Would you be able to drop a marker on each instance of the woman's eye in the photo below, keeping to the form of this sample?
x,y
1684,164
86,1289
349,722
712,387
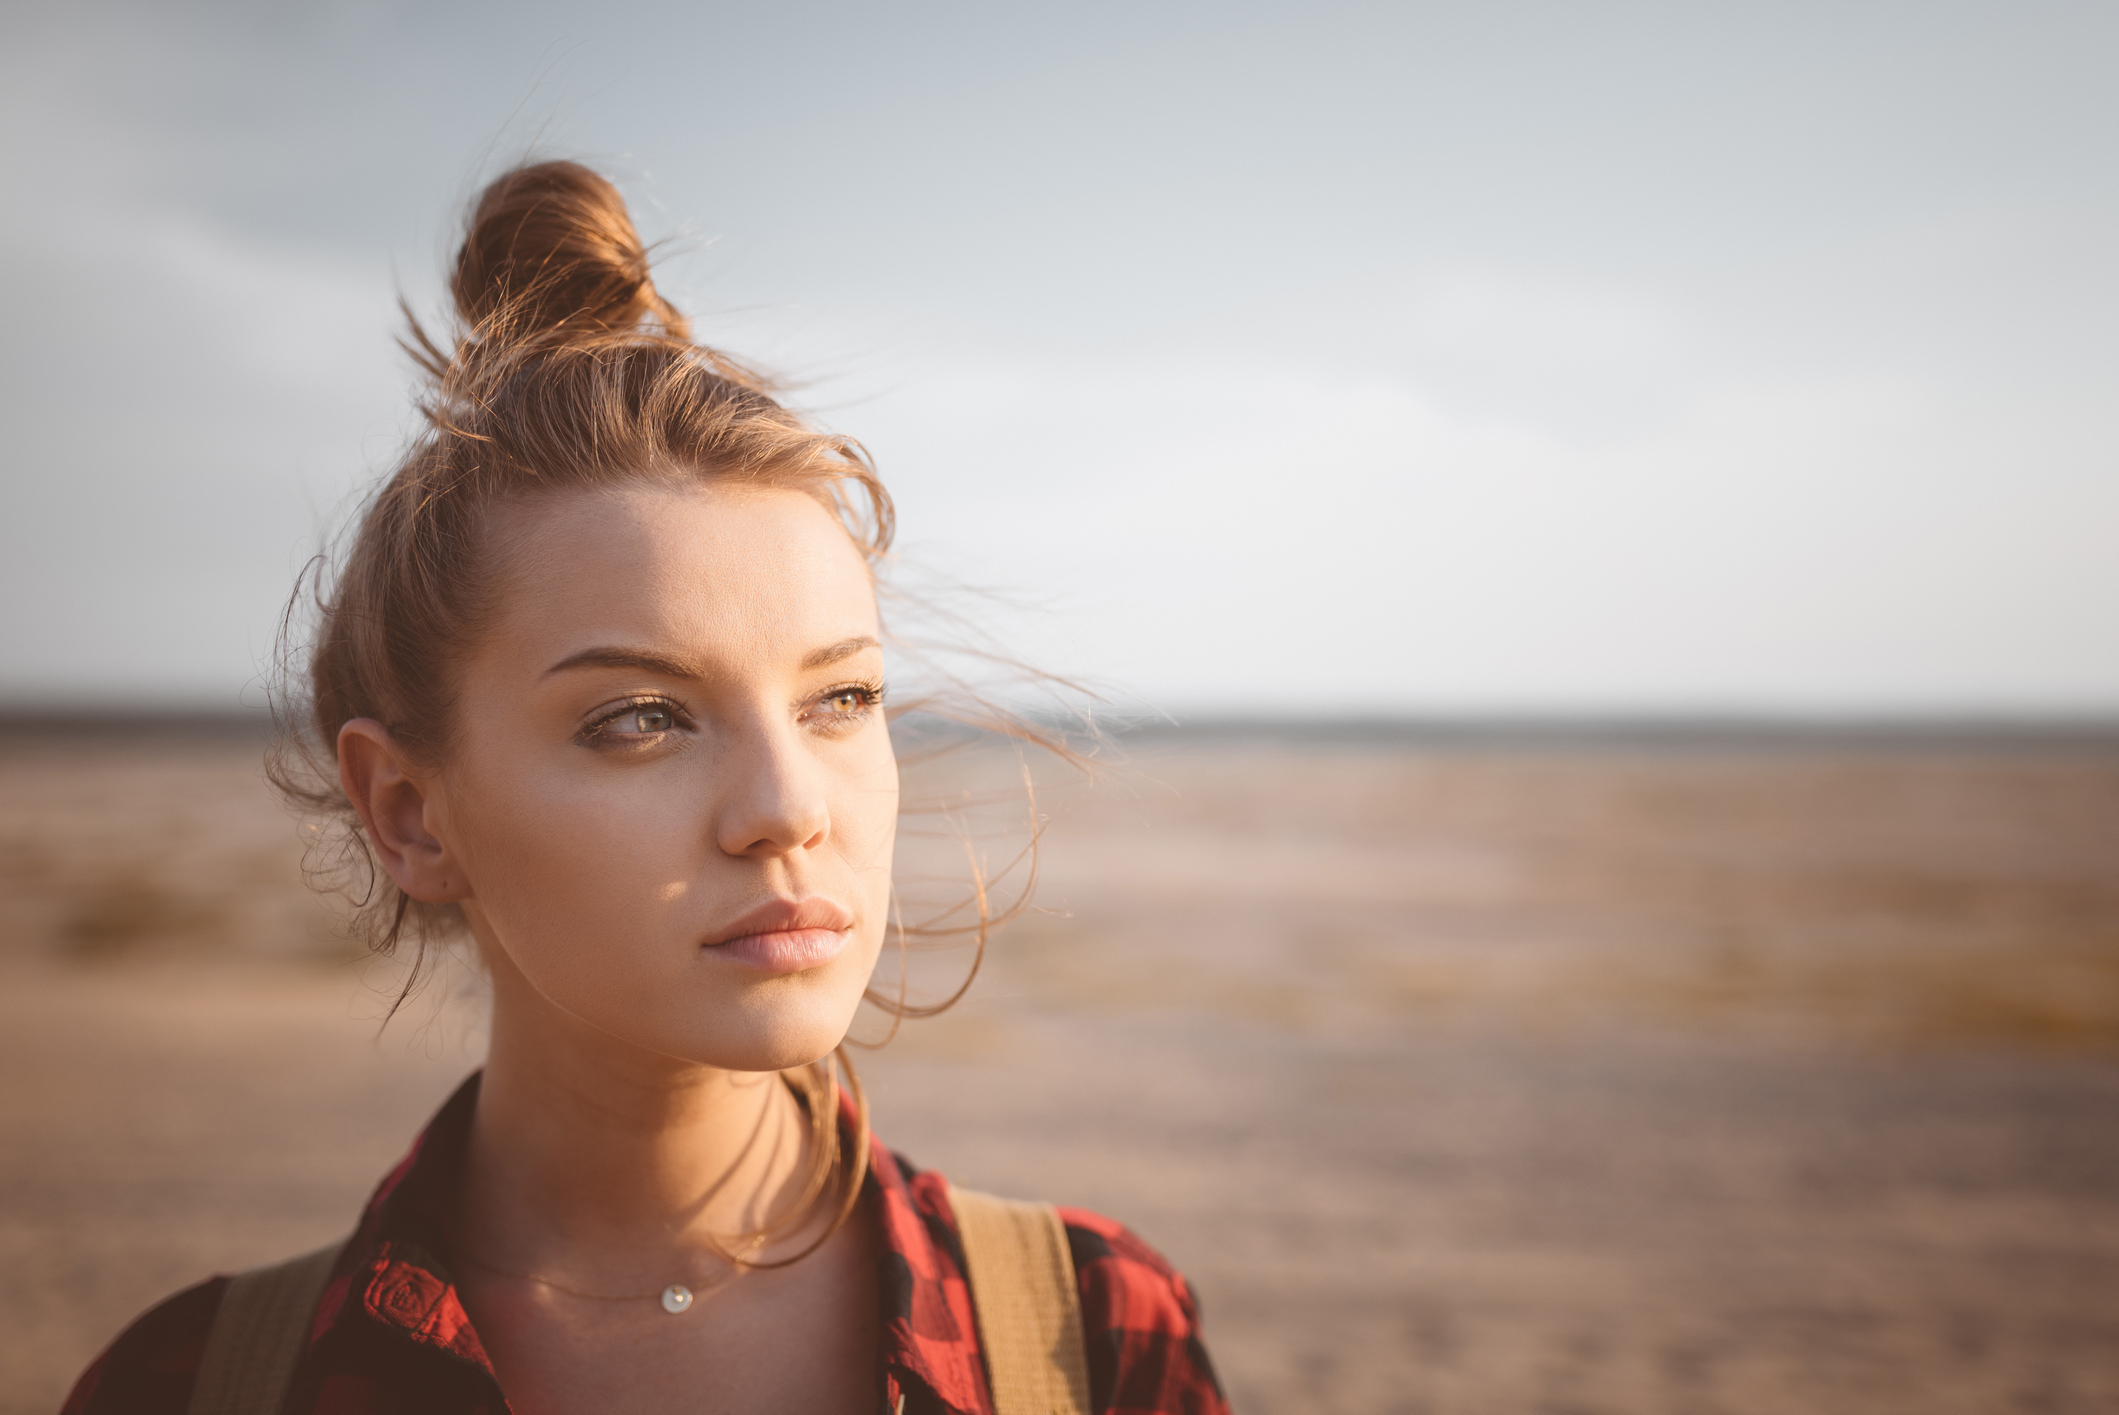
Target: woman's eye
x,y
639,720
845,705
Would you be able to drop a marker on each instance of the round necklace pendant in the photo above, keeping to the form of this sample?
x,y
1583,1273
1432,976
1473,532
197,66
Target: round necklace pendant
x,y
676,1298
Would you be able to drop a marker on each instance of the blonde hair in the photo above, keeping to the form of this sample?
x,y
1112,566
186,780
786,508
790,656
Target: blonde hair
x,y
565,369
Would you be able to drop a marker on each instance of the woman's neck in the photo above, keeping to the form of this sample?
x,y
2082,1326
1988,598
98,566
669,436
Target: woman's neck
x,y
600,1166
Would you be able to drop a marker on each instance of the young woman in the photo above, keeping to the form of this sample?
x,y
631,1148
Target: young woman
x,y
600,683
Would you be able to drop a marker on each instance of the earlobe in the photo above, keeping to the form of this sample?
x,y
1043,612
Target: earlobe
x,y
396,809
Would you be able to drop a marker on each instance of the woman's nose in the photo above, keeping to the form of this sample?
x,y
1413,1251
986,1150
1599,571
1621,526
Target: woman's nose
x,y
775,804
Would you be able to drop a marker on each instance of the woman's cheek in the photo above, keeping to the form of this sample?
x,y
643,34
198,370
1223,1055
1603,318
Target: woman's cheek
x,y
868,860
564,868
867,813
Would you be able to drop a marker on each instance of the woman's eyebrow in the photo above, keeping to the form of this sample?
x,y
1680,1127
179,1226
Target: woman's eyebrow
x,y
646,659
845,648
652,662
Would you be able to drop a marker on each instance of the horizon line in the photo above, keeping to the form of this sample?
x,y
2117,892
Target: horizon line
x,y
1463,729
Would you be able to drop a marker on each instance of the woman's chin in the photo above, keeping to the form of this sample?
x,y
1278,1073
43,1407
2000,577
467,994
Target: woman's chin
x,y
766,1039
775,1055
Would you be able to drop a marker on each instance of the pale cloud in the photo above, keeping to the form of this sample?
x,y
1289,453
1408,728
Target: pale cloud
x,y
1348,361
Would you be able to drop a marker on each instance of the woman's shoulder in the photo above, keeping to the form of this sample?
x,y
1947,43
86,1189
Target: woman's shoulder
x,y
151,1366
1140,1317
1127,1276
1140,1321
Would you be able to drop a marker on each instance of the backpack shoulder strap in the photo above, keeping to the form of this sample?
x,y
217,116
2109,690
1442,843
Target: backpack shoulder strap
x,y
1029,1309
259,1334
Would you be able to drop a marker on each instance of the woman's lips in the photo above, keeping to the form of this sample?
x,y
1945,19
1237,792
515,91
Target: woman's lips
x,y
785,950
786,935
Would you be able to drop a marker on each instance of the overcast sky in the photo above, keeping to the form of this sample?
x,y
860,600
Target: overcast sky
x,y
1578,358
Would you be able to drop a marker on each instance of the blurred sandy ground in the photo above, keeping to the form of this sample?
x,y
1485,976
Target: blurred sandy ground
x,y
1557,1079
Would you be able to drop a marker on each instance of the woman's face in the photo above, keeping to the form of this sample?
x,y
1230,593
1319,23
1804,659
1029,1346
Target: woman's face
x,y
671,794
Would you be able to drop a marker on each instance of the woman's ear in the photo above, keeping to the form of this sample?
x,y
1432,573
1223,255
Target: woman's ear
x,y
398,811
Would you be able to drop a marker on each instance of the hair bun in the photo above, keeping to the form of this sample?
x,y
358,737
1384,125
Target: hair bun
x,y
552,249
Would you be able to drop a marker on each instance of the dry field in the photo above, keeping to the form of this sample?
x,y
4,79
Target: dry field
x,y
1509,1079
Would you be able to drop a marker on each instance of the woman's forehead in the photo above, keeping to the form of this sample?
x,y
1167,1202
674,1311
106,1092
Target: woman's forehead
x,y
699,565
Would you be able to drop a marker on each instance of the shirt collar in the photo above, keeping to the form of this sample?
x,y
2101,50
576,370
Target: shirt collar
x,y
929,1330
392,1270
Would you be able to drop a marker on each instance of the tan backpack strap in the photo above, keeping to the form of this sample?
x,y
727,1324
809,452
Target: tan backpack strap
x,y
1029,1309
259,1335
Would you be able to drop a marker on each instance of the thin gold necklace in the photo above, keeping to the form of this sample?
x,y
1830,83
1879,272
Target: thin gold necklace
x,y
676,1299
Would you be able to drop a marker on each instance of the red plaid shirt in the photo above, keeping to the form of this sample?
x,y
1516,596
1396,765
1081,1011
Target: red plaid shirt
x,y
391,1336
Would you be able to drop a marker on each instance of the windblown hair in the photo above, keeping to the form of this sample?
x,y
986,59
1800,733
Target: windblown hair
x,y
564,369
